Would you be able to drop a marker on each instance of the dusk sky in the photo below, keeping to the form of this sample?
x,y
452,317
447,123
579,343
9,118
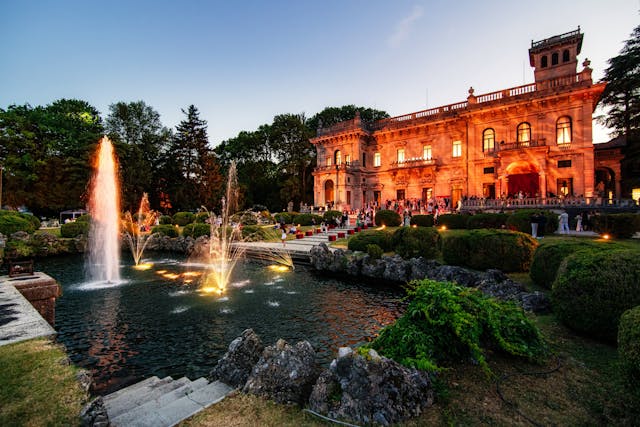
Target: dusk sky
x,y
241,63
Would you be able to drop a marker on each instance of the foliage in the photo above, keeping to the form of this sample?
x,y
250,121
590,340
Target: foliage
x,y
629,343
622,226
359,241
183,218
245,218
453,221
334,115
487,220
84,218
74,229
196,229
18,249
505,250
166,229
285,217
307,219
165,220
593,288
11,222
445,322
387,217
34,220
410,242
331,215
422,220
256,233
201,217
374,251
521,221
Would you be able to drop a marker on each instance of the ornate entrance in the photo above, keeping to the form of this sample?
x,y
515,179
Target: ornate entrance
x,y
523,178
328,191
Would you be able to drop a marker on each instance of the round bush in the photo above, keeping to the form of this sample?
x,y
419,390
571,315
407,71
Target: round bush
x,y
74,229
201,217
521,221
359,241
629,342
374,251
410,242
165,220
307,219
84,218
285,217
166,229
422,220
196,229
593,288
388,217
482,249
330,216
487,220
35,222
183,218
14,222
256,233
453,221
622,226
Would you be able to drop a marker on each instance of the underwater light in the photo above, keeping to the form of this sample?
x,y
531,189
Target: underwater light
x,y
278,268
143,266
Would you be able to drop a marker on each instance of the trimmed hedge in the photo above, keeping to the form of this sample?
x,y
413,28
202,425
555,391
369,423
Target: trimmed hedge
x,y
410,242
256,233
166,229
284,216
453,221
521,221
74,229
487,220
374,251
622,226
629,343
183,218
359,241
84,218
482,249
307,219
388,217
12,222
422,220
165,220
196,229
201,217
594,288
34,220
330,216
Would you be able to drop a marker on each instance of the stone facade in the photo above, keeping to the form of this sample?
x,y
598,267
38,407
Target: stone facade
x,y
534,139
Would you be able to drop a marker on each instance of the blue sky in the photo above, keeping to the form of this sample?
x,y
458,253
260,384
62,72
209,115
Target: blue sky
x,y
241,63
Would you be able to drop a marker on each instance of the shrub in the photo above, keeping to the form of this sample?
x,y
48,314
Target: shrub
x,y
35,222
84,218
388,217
453,221
487,220
374,251
166,229
201,217
422,220
283,216
255,233
445,322
521,221
19,249
196,229
409,242
330,216
622,226
482,249
359,241
74,229
165,220
13,222
593,288
629,343
307,219
183,218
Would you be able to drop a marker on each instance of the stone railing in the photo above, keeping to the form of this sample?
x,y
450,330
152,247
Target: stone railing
x,y
504,146
412,162
548,203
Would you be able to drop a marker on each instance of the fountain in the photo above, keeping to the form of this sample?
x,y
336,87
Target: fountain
x,y
137,231
103,264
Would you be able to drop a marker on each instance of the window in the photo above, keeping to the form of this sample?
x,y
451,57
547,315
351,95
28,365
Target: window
x,y
347,158
376,160
426,152
565,186
564,163
490,170
524,134
554,58
488,140
400,194
543,61
348,197
364,160
563,130
338,157
457,149
401,155
565,55
329,161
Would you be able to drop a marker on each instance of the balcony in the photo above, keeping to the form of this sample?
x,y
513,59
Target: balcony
x,y
519,145
346,167
414,162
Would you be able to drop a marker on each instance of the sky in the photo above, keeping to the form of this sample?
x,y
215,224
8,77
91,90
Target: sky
x,y
243,62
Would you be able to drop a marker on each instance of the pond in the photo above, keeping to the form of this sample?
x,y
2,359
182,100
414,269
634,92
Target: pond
x,y
158,323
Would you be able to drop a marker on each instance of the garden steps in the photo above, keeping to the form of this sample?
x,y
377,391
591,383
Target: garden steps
x,y
162,402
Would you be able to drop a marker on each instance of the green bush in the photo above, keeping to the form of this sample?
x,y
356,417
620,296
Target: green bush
x,y
84,218
196,229
74,229
388,217
374,251
629,343
359,241
165,220
19,249
482,249
410,242
422,220
521,221
35,222
593,288
330,216
622,226
453,221
245,218
256,233
487,220
445,322
183,218
166,229
283,216
12,222
201,217
307,219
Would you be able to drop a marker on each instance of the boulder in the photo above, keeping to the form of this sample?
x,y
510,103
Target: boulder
x,y
370,390
354,266
536,302
94,414
373,268
284,373
320,257
452,273
236,365
20,235
396,269
421,267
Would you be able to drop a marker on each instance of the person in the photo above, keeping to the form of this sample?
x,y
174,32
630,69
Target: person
x,y
579,223
284,236
535,219
323,227
459,206
542,222
293,229
564,222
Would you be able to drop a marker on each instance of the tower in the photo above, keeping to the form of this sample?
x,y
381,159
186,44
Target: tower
x,y
556,56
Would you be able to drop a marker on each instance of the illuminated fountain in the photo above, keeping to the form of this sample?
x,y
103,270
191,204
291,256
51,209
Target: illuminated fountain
x,y
138,231
103,263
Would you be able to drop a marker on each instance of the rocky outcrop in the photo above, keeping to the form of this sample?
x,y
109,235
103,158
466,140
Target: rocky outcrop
x,y
370,390
236,365
94,414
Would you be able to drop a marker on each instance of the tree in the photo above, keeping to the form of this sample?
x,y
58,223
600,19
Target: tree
x,y
332,115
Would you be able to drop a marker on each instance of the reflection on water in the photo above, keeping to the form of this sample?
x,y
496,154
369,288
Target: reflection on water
x,y
159,324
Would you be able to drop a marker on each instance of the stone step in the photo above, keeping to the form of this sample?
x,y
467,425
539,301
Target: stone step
x,y
145,409
117,394
180,409
139,396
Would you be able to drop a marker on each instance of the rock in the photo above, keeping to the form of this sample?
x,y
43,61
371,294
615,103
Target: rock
x,y
506,290
284,373
421,267
452,273
396,269
94,414
339,262
236,365
320,257
85,379
20,235
536,302
371,390
354,266
373,268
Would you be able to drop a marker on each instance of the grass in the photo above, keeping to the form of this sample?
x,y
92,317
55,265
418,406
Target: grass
x,y
53,231
37,386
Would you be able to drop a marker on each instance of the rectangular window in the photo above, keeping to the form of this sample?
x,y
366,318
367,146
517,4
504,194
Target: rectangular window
x,y
400,194
564,163
565,186
426,152
329,161
376,160
457,149
490,170
348,196
347,158
401,155
364,160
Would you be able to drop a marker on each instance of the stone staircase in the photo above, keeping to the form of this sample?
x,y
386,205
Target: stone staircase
x,y
162,402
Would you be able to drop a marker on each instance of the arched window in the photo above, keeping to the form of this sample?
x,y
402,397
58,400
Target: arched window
x,y
543,61
563,130
554,58
338,157
565,55
524,134
488,140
